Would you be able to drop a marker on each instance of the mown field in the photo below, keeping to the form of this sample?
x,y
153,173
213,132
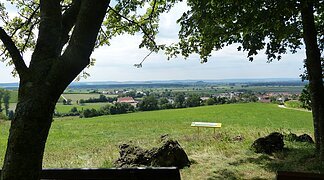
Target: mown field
x,y
93,142
66,108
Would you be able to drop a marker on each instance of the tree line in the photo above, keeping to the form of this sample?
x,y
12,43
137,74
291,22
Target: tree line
x,y
153,102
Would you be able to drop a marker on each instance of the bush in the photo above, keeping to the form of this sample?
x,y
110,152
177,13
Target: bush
x,y
149,103
89,113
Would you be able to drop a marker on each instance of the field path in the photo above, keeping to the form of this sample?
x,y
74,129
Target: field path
x,y
63,97
283,106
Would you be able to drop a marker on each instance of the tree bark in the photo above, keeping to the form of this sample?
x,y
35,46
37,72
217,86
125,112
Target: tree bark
x,y
28,132
314,69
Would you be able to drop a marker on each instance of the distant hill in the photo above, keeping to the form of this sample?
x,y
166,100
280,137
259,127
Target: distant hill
x,y
177,83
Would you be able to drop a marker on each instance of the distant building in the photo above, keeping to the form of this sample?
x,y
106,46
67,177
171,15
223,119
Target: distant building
x,y
204,98
264,99
129,100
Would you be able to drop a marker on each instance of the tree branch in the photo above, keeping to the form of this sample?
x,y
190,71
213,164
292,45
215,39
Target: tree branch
x,y
28,21
49,31
135,23
30,31
14,52
68,21
76,55
141,63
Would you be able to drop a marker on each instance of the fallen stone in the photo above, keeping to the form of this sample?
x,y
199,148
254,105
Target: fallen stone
x,y
132,156
305,138
170,153
301,138
269,144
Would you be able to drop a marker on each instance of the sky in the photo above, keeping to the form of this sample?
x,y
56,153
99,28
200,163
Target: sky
x,y
115,62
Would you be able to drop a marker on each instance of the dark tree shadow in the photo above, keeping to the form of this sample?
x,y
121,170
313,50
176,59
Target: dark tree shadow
x,y
298,159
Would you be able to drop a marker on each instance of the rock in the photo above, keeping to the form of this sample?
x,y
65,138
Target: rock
x,y
132,156
269,144
301,138
170,153
238,138
305,138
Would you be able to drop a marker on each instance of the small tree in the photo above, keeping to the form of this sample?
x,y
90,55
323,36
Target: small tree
x,y
179,100
6,98
210,101
164,103
193,100
1,96
149,103
305,98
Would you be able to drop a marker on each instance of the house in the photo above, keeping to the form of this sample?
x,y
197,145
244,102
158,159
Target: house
x,y
264,98
129,100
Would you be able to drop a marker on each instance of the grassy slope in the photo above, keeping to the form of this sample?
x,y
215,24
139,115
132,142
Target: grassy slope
x,y
94,142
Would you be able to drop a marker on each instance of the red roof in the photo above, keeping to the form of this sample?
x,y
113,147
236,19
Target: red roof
x,y
126,100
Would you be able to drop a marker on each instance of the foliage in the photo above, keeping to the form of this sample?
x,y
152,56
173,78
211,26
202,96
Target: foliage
x,y
305,98
5,98
117,108
101,98
179,100
256,25
90,113
193,101
293,104
164,103
121,108
149,103
210,101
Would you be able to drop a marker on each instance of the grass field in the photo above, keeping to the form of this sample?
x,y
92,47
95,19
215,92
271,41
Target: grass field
x,y
66,108
76,97
93,142
293,104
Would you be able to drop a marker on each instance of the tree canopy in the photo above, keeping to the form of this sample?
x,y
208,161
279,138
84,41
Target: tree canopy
x,y
255,25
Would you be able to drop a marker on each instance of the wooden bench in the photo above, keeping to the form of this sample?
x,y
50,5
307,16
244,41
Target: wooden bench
x,y
206,125
285,175
161,173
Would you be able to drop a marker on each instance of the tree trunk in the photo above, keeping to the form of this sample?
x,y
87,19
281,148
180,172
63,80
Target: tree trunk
x,y
28,132
49,73
314,69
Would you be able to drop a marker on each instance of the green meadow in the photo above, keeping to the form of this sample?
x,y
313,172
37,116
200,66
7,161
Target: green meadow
x,y
66,108
93,142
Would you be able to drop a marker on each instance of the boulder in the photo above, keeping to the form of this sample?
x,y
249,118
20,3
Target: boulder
x,y
305,138
170,153
269,144
301,138
132,156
